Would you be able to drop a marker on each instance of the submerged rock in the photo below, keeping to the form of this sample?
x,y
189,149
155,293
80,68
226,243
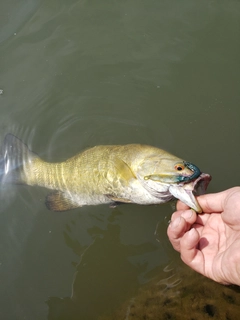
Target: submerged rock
x,y
181,295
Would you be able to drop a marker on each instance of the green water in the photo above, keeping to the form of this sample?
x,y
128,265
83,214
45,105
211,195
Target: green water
x,y
75,74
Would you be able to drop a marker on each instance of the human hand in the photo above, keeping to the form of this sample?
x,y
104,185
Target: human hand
x,y
210,242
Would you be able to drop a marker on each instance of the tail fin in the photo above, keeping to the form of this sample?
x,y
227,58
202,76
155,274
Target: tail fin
x,y
14,155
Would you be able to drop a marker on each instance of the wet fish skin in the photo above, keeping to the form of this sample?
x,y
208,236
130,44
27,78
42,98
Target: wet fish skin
x,y
131,173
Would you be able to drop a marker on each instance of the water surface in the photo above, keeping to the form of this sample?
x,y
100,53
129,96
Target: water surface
x,y
75,74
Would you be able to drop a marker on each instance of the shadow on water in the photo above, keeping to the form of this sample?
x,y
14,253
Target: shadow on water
x,y
100,292
97,285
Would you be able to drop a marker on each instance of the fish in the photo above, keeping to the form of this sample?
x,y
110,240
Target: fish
x,y
105,174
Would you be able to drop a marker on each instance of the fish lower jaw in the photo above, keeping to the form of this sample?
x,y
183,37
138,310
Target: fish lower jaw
x,y
186,196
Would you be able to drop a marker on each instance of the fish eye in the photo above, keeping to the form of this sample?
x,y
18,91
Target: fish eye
x,y
179,166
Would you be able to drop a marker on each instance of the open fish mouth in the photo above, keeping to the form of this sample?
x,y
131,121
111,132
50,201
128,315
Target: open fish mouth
x,y
186,192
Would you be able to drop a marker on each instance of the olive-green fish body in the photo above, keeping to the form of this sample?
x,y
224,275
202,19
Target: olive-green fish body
x,y
102,174
131,173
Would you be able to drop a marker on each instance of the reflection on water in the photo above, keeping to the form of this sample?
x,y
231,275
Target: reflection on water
x,y
14,14
79,73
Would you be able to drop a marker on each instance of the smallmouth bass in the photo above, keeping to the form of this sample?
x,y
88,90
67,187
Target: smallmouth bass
x,y
109,174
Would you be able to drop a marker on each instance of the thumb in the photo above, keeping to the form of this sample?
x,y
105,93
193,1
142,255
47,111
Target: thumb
x,y
231,212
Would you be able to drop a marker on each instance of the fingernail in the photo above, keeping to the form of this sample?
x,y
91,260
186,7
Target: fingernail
x,y
187,214
191,232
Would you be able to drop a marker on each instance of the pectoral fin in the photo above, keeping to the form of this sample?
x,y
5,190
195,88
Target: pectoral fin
x,y
122,171
60,201
120,179
117,199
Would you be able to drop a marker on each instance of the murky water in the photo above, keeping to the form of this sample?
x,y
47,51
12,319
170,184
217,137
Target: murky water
x,y
75,74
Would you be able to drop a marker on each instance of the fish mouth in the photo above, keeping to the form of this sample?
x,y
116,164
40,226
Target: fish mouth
x,y
186,192
196,172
